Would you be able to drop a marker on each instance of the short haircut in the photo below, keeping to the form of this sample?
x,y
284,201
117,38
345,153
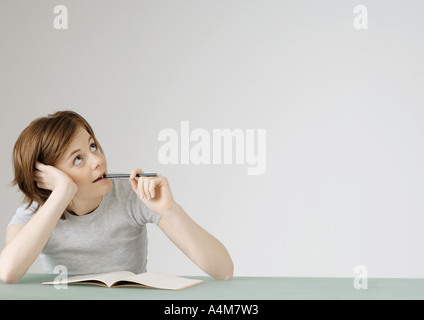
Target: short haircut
x,y
44,140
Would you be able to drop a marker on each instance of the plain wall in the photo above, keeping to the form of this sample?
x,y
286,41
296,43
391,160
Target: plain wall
x,y
342,109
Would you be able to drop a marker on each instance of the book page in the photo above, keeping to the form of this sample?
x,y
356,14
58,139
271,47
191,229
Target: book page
x,y
107,278
162,280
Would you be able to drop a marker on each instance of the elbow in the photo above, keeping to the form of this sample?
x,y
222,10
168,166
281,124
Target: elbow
x,y
229,274
8,277
7,273
9,280
227,277
226,274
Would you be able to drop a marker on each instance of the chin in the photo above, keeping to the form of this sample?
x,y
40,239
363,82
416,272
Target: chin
x,y
107,187
99,189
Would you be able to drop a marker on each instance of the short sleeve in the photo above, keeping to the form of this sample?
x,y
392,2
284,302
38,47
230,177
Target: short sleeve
x,y
135,207
141,213
23,215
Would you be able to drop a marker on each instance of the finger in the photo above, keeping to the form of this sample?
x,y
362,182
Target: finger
x,y
133,173
140,187
38,165
133,180
146,188
40,184
38,175
37,178
134,185
152,187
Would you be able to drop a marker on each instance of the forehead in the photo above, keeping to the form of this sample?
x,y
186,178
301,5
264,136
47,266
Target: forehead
x,y
80,138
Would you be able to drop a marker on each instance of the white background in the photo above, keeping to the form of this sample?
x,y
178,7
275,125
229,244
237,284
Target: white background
x,y
343,110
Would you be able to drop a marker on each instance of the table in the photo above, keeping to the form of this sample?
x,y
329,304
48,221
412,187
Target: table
x,y
239,288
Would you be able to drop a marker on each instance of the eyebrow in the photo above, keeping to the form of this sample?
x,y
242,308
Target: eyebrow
x,y
78,150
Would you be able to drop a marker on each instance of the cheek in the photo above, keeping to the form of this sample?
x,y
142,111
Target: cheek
x,y
108,186
81,180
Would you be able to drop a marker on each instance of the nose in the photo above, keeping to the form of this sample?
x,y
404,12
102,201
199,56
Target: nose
x,y
96,161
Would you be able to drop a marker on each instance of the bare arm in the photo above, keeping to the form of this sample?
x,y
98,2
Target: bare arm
x,y
24,244
196,243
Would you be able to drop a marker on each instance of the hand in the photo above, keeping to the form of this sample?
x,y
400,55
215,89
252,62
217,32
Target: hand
x,y
49,178
153,191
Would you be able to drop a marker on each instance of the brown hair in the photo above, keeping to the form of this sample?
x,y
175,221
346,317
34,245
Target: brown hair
x,y
44,140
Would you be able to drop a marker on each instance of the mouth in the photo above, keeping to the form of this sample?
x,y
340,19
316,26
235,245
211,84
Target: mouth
x,y
101,177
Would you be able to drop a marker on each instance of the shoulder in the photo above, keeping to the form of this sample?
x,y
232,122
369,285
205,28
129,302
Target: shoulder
x,y
27,210
123,194
121,190
23,214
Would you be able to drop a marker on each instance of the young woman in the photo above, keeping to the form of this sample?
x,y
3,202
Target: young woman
x,y
90,224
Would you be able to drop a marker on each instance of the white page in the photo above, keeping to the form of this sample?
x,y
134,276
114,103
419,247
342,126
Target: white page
x,y
108,278
162,280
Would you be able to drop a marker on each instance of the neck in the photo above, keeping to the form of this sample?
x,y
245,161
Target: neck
x,y
82,207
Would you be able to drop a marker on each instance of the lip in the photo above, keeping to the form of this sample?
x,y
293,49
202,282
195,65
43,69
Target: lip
x,y
100,178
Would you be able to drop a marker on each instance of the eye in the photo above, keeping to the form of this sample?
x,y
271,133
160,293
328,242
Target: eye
x,y
93,147
77,161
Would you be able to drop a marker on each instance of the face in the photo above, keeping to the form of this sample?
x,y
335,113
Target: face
x,y
85,164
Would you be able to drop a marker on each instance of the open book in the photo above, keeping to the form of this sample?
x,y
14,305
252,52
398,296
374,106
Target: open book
x,y
127,278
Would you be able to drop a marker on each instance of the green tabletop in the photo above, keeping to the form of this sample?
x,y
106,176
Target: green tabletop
x,y
243,288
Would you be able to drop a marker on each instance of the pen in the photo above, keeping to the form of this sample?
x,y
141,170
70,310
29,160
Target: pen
x,y
123,175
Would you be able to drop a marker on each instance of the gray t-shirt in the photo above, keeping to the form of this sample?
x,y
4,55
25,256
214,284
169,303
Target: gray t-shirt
x,y
111,238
